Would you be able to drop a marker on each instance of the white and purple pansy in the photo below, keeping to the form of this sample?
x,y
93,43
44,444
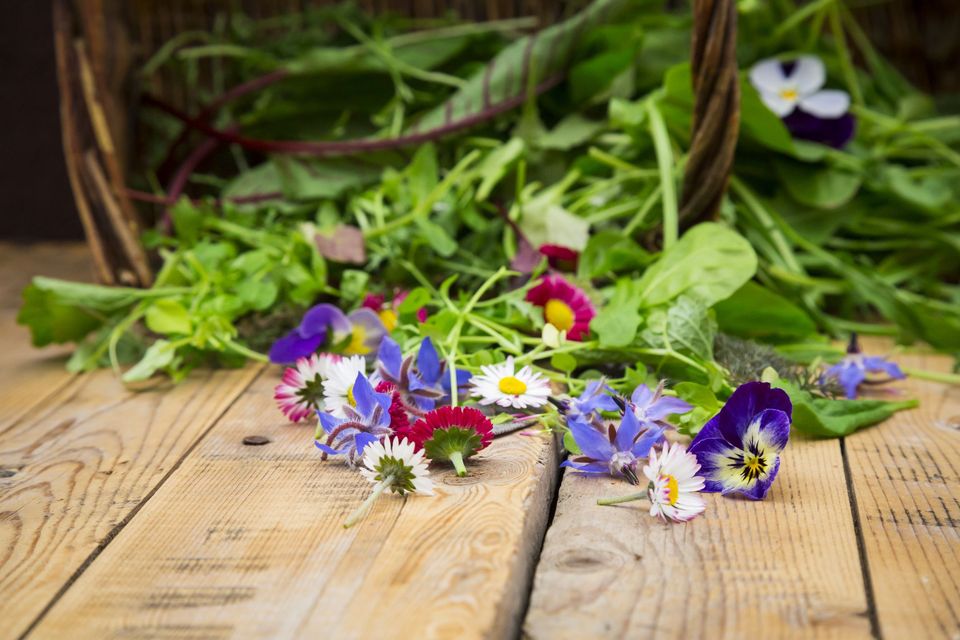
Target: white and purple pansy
x,y
855,368
421,381
367,419
616,451
652,407
326,326
739,448
794,91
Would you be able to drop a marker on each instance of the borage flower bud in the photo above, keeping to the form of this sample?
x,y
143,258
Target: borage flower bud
x,y
453,434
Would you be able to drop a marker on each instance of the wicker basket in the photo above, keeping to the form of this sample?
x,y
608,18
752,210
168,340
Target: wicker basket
x,y
101,43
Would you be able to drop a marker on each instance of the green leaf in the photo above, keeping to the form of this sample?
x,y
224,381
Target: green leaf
x,y
415,300
496,165
187,221
258,296
168,317
611,252
51,320
573,131
829,418
438,239
322,178
353,285
617,322
563,362
816,185
710,262
160,354
757,313
759,124
685,326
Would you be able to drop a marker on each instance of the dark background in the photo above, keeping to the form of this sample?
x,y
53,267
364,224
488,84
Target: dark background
x,y
921,36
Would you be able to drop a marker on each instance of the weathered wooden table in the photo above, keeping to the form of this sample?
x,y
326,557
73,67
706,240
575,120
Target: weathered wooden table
x,y
143,515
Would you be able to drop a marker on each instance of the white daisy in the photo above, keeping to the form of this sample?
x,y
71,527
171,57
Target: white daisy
x,y
674,484
338,387
392,464
504,385
801,88
396,463
300,392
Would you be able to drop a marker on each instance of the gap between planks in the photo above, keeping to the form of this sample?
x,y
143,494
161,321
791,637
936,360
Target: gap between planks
x,y
248,542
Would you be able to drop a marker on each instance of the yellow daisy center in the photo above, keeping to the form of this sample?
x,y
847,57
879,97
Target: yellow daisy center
x,y
673,489
350,399
559,314
389,319
356,347
512,386
789,94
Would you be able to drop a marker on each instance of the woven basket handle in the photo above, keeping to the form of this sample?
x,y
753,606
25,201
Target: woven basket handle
x,y
716,115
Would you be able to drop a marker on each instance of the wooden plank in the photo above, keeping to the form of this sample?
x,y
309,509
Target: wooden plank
x,y
29,376
783,567
78,466
247,542
906,480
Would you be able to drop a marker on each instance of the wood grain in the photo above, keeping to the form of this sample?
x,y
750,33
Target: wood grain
x,y
906,479
247,542
783,567
79,465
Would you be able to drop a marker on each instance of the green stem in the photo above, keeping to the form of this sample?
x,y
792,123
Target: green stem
x,y
846,61
934,376
644,211
456,458
661,145
630,497
365,507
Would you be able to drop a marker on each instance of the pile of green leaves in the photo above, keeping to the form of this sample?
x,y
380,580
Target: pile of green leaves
x,y
578,138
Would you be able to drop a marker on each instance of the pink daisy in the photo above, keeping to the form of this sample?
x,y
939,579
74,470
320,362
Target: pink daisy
x,y
300,392
565,306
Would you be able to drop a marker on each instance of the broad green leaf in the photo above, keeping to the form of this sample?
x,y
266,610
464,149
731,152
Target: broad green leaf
x,y
500,85
160,354
685,326
818,186
830,418
438,239
322,178
611,252
168,317
563,362
758,313
759,124
51,320
257,295
709,262
617,321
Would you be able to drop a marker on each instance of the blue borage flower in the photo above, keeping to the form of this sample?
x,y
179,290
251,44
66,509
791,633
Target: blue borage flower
x,y
616,451
367,420
587,407
325,326
852,371
652,407
423,380
739,448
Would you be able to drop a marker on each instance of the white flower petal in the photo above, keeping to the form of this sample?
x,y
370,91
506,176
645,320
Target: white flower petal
x,y
808,75
780,106
767,76
830,103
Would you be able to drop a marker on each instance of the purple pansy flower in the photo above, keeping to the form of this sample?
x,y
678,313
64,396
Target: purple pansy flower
x,y
367,420
793,90
739,448
652,407
423,381
324,325
852,371
615,452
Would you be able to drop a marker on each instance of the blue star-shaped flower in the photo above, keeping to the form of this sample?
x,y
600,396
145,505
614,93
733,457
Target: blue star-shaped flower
x,y
367,420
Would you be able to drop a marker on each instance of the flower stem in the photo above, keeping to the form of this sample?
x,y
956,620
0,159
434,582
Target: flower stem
x,y
620,499
935,376
456,457
365,507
